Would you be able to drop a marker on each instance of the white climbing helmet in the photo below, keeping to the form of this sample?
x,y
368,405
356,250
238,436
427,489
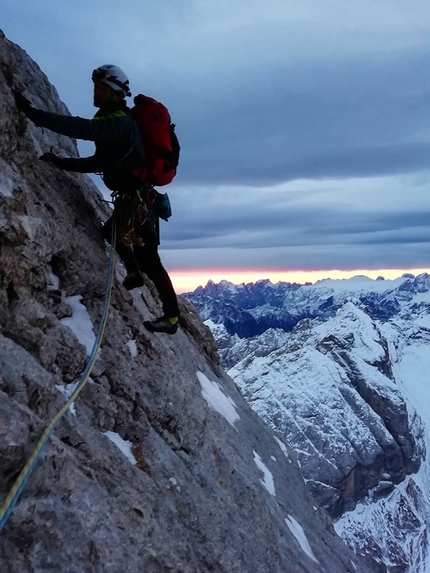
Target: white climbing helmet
x,y
114,77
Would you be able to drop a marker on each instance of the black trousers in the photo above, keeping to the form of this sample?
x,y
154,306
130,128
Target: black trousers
x,y
147,260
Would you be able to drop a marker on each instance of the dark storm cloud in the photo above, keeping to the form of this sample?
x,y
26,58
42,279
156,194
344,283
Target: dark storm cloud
x,y
303,226
342,118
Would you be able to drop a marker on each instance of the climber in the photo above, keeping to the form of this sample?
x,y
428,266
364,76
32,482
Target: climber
x,y
119,150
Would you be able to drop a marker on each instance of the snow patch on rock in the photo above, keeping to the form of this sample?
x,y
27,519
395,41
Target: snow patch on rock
x,y
298,532
267,479
217,400
123,445
80,322
131,345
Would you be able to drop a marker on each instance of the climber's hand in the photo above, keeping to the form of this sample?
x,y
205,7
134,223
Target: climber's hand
x,y
51,158
22,103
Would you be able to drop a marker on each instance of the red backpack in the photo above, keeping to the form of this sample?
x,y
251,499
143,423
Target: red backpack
x,y
160,141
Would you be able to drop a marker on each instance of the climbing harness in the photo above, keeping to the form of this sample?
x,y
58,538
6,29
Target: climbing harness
x,y
133,209
130,214
21,480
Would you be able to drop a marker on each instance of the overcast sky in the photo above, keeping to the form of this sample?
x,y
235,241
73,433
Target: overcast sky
x,y
304,126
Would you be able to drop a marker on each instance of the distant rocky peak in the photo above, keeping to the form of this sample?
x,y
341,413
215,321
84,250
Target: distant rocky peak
x,y
260,306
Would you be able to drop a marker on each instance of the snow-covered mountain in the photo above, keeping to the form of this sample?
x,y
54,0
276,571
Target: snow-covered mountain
x,y
348,387
251,309
248,310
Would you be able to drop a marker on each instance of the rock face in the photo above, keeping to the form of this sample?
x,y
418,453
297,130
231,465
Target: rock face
x,y
160,465
331,393
244,310
348,390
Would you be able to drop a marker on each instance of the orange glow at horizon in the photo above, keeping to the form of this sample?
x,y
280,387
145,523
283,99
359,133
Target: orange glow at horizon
x,y
187,280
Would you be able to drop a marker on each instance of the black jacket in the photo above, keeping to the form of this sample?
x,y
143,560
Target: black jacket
x,y
119,147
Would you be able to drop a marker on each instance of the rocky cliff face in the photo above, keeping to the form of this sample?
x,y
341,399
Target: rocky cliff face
x,y
348,390
331,392
160,465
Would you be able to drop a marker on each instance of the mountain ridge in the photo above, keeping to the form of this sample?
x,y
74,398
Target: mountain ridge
x,y
251,309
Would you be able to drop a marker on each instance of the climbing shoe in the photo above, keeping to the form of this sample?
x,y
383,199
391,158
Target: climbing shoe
x,y
133,280
163,324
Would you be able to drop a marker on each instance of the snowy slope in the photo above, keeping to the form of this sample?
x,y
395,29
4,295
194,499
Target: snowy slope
x,y
330,391
349,390
232,348
400,522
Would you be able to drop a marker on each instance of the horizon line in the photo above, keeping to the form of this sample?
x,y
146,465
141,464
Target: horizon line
x,y
187,280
